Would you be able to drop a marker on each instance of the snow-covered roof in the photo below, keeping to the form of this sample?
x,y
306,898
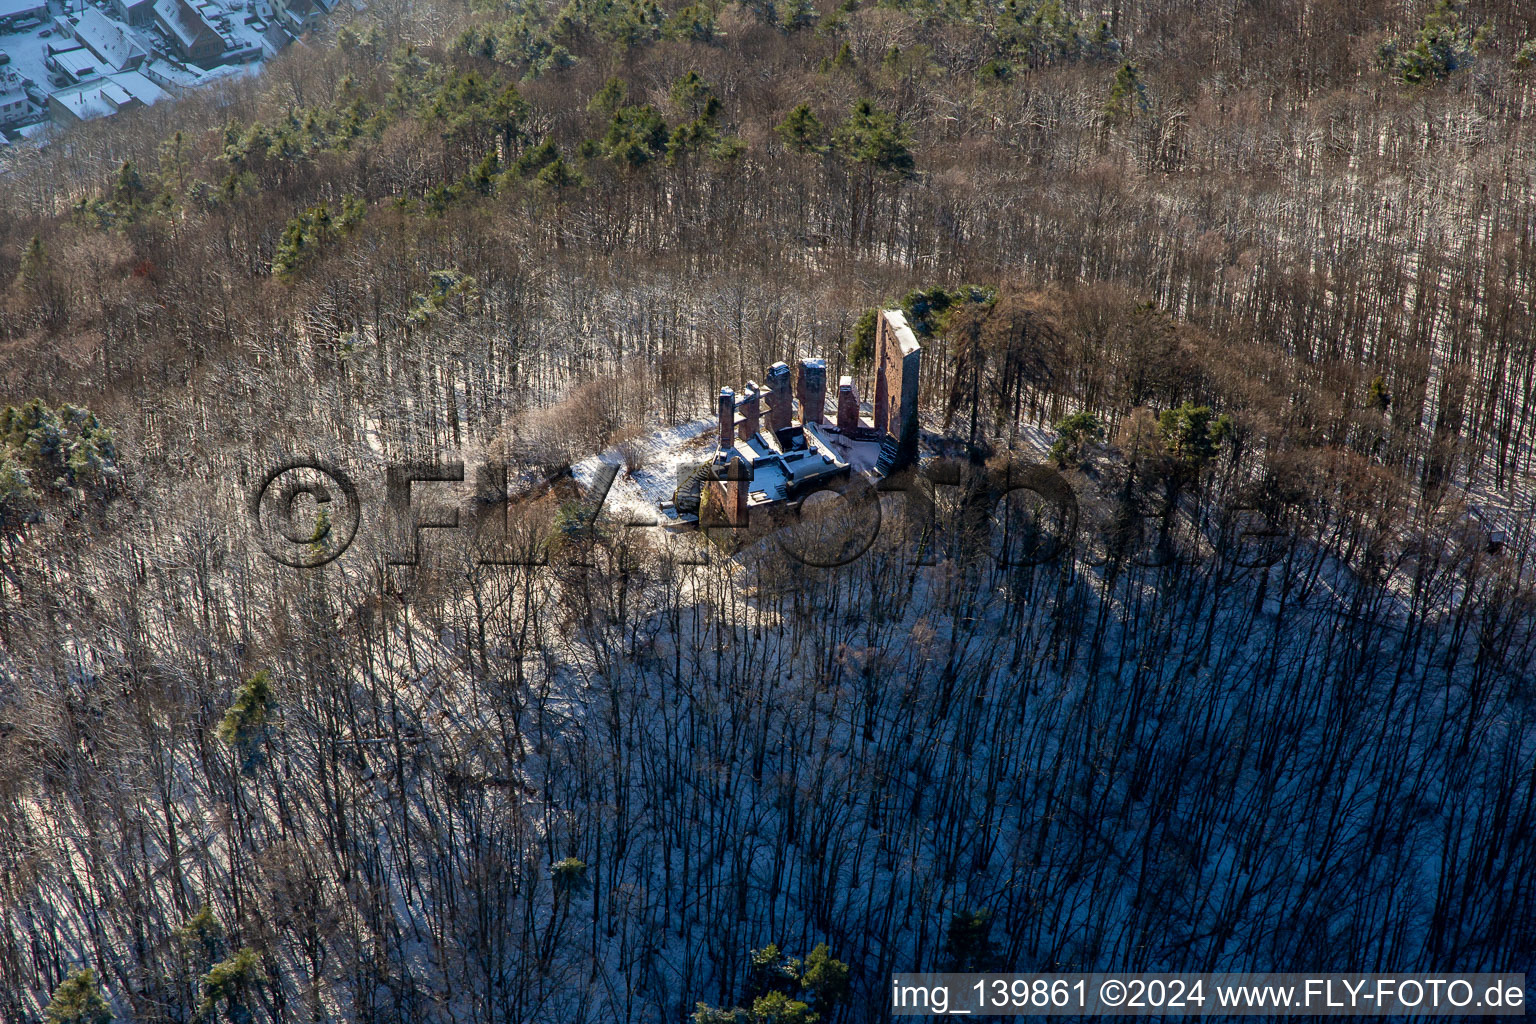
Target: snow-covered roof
x,y
108,40
86,101
186,23
10,82
299,14
223,72
77,62
16,8
168,75
803,466
216,17
139,87
115,95
860,456
107,96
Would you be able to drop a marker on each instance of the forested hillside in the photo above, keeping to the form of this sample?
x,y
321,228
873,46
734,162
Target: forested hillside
x,y
1215,263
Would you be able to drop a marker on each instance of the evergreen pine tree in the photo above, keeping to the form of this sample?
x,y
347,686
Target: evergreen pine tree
x,y
34,262
824,978
801,130
78,1000
872,137
483,176
1444,44
244,724
1192,434
558,179
1127,96
613,95
968,940
201,940
636,135
1377,396
232,984
535,158
862,351
1075,431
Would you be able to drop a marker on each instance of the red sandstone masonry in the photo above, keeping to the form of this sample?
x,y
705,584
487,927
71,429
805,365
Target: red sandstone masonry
x,y
727,409
780,402
847,405
749,406
812,391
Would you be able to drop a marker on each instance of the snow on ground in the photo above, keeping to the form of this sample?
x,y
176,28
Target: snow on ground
x,y
448,721
27,51
660,456
246,31
861,456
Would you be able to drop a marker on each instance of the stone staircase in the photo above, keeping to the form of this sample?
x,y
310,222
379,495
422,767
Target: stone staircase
x,y
686,498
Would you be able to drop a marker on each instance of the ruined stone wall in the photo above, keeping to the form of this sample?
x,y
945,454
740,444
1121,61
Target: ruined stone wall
x,y
748,407
727,415
812,391
847,405
898,363
726,491
781,402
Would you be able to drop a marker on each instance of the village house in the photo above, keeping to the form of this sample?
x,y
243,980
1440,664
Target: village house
x,y
136,13
102,97
72,64
190,34
109,41
13,98
17,15
297,16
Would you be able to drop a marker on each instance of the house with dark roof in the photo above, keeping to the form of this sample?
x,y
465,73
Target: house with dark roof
x,y
136,13
191,36
297,16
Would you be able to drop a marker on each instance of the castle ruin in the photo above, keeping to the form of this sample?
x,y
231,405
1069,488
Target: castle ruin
x,y
760,464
